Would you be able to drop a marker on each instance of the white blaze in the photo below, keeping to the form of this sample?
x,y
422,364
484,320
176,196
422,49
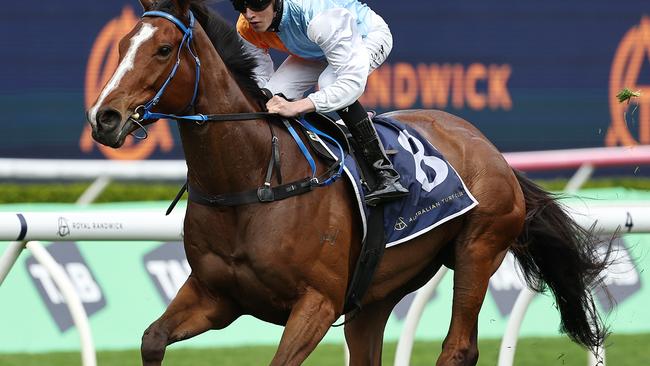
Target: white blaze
x,y
147,31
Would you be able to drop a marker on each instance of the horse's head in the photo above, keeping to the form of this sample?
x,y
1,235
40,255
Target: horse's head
x,y
157,48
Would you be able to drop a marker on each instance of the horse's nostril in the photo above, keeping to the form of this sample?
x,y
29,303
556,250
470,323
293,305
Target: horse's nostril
x,y
108,118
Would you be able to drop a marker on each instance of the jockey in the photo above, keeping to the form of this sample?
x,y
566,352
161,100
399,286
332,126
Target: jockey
x,y
334,44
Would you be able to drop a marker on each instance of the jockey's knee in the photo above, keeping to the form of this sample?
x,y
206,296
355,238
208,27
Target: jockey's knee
x,y
352,113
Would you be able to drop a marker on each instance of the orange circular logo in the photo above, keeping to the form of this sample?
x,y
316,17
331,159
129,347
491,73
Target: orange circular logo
x,y
632,53
102,63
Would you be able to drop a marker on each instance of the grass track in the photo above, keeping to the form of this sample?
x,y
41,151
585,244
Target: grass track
x,y
622,350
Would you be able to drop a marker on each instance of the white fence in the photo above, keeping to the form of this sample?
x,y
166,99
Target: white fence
x,y
28,228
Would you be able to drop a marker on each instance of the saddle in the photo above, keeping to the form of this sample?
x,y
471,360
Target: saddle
x,y
328,125
340,132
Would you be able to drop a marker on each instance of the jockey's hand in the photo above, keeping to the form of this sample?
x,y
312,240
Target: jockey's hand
x,y
285,108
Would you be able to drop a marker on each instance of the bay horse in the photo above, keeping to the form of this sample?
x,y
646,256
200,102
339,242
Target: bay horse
x,y
289,262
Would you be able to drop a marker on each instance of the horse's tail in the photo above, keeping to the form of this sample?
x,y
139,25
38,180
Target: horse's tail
x,y
554,251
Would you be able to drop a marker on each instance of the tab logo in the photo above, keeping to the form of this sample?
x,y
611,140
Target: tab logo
x,y
88,289
168,269
102,63
632,56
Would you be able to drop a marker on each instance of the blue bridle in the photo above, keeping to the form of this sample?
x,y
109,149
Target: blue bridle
x,y
144,111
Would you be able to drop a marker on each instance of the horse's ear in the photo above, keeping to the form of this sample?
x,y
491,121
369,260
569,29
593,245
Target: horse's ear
x,y
147,4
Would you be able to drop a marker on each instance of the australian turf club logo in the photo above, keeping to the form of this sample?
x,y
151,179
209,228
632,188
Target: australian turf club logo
x,y
102,62
632,54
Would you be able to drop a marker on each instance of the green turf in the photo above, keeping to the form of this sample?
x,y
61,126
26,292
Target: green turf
x,y
622,350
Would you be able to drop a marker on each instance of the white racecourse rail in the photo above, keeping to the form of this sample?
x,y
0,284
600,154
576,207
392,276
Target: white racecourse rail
x,y
153,225
142,225
150,225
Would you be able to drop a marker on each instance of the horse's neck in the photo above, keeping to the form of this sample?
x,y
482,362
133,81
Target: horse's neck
x,y
223,156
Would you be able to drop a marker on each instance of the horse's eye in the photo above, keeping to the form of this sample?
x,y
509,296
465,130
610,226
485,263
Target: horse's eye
x,y
164,50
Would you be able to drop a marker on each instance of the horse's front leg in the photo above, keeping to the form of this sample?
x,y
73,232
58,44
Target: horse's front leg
x,y
308,322
192,312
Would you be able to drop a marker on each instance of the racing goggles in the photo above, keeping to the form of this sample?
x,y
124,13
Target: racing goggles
x,y
254,5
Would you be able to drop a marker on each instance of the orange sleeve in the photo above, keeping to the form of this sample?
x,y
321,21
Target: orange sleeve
x,y
263,40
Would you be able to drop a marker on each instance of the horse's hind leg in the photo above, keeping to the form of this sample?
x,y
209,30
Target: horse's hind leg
x,y
192,312
364,334
308,322
478,254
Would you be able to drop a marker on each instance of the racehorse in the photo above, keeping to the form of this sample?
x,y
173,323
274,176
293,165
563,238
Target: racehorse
x,y
289,262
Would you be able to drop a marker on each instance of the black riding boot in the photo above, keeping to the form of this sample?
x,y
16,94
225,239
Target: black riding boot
x,y
387,186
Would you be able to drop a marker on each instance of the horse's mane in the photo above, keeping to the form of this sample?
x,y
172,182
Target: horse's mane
x,y
225,40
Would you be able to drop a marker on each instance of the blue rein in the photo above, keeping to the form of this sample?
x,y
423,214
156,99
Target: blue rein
x,y
187,42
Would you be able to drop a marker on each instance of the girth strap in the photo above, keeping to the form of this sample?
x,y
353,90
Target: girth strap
x,y
261,194
372,250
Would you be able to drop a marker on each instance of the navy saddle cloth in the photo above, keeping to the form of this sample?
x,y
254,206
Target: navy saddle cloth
x,y
437,194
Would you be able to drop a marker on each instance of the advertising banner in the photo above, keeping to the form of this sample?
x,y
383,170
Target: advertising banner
x,y
530,75
124,286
